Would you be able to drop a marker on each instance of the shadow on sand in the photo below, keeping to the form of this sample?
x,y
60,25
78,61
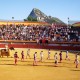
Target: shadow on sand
x,y
75,70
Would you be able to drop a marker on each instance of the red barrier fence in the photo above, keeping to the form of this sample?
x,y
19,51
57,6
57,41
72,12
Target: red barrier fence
x,y
59,47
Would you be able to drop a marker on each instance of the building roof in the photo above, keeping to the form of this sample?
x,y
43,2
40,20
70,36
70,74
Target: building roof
x,y
77,24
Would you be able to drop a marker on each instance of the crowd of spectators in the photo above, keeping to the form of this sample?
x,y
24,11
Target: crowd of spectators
x,y
38,32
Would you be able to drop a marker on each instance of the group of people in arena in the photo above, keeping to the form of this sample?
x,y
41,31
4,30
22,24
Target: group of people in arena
x,y
38,33
56,59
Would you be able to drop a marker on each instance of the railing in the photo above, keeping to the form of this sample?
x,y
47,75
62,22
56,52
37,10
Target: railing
x,y
24,41
16,41
65,43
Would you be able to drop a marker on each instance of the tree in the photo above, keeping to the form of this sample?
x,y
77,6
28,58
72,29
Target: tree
x,y
31,18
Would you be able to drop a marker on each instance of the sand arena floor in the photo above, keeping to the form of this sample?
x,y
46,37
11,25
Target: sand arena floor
x,y
46,70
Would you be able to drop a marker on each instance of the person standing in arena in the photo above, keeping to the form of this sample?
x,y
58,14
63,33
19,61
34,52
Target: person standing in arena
x,y
15,57
7,49
41,56
28,53
60,54
22,55
35,59
56,59
76,60
67,56
48,54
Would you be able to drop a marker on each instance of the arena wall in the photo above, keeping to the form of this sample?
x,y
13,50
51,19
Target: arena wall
x,y
37,46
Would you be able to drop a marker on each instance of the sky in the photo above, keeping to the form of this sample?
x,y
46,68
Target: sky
x,y
20,9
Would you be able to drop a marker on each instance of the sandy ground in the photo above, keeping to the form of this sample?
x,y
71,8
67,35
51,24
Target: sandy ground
x,y
46,70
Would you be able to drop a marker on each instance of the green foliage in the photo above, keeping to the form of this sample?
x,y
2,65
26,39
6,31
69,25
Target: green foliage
x,y
31,18
25,19
51,21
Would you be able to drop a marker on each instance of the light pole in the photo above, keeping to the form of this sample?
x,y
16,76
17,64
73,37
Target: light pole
x,y
68,21
13,20
7,23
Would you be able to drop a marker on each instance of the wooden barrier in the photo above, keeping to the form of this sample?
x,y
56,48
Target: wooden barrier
x,y
28,45
32,44
24,41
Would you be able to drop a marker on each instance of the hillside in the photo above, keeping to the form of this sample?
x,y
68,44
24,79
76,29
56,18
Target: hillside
x,y
37,15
